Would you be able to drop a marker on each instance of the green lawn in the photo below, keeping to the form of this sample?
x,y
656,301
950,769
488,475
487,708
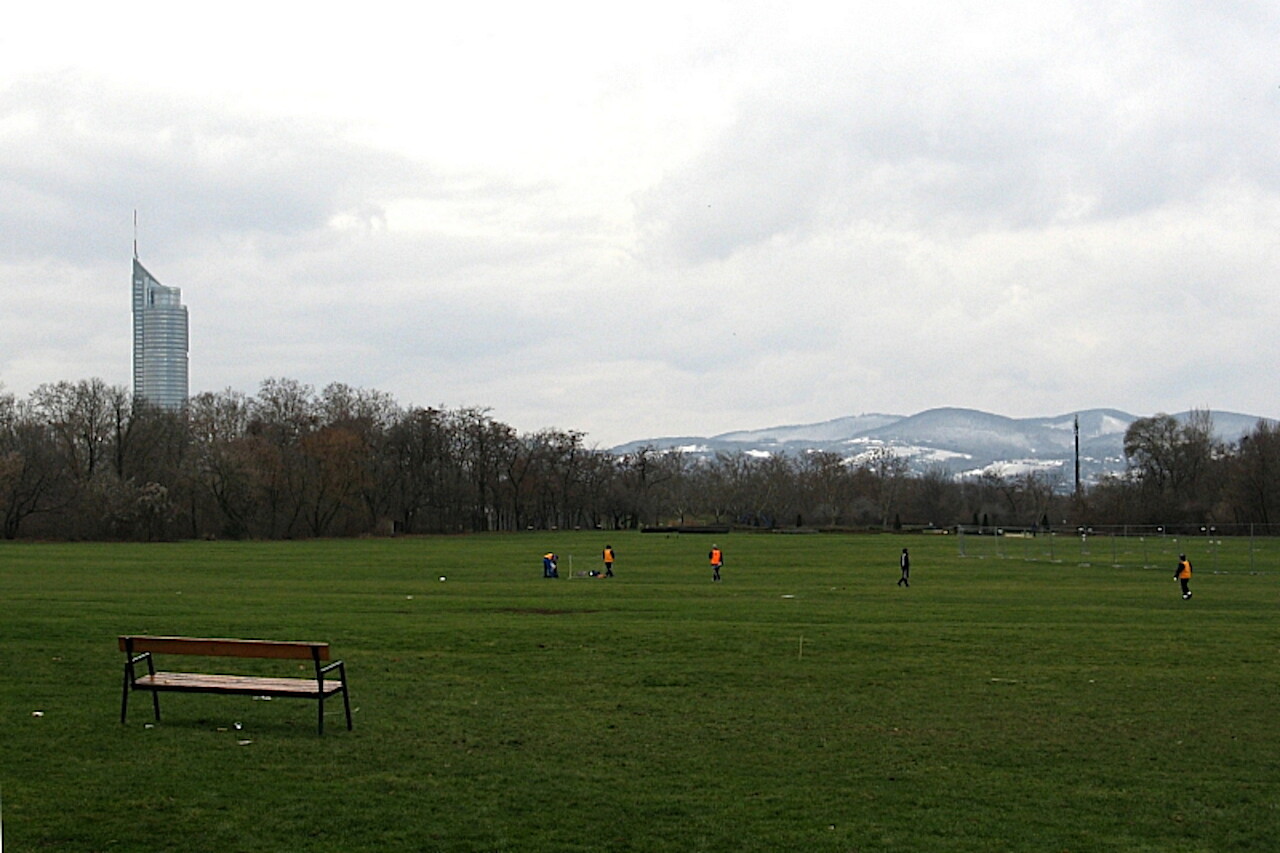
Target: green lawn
x,y
804,703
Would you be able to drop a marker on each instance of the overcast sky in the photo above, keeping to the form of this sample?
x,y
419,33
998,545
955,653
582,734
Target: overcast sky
x,y
656,219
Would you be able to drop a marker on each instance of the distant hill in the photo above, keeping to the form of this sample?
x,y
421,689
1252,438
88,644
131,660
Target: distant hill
x,y
835,430
959,441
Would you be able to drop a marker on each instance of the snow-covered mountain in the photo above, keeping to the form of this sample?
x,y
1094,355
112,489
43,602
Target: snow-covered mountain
x,y
959,441
834,430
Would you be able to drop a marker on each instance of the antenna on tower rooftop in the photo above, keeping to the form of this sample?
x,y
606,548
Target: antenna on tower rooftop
x,y
135,233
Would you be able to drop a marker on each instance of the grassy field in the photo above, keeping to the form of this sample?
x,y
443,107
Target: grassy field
x,y
804,703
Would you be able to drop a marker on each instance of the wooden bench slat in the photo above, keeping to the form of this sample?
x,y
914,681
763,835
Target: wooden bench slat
x,y
194,682
222,647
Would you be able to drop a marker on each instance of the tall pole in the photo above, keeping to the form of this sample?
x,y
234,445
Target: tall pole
x,y
1077,433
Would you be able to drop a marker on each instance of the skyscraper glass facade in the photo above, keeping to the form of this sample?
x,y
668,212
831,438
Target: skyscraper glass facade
x,y
159,341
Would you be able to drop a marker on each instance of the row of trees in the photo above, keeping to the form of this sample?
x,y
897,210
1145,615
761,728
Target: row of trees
x,y
86,460
1178,472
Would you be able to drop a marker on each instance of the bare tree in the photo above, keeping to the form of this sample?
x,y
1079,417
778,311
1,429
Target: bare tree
x,y
81,417
1171,464
825,486
1253,489
221,463
889,471
33,476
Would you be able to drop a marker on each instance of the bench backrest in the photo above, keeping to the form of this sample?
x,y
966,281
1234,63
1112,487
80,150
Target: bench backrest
x,y
211,647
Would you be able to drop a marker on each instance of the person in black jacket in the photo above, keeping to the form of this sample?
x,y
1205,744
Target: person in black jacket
x,y
904,563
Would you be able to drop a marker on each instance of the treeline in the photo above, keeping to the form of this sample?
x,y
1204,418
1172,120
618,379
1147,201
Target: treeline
x,y
85,460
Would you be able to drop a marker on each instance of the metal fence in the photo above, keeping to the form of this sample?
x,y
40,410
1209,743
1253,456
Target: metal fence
x,y
1213,548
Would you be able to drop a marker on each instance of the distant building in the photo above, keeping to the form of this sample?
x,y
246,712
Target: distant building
x,y
159,341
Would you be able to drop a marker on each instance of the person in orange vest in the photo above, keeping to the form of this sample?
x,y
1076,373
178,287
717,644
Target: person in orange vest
x,y
1183,574
608,561
717,560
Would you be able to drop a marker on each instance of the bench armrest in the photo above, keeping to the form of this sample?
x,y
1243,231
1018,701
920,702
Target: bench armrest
x,y
342,670
131,666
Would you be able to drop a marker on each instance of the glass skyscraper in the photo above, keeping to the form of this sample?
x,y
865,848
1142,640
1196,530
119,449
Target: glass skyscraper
x,y
159,341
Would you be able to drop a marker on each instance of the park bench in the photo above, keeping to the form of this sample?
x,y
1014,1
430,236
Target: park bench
x,y
141,650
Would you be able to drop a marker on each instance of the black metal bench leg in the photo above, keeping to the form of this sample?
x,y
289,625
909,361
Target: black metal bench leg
x,y
346,700
320,722
124,697
155,703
